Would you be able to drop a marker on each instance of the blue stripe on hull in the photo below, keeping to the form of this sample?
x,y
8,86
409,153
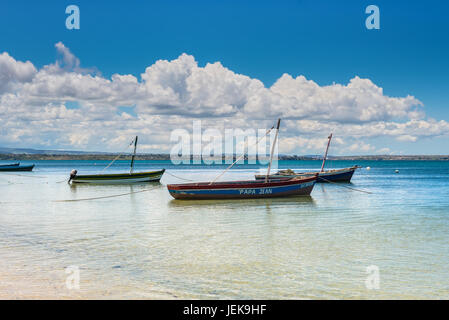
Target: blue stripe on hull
x,y
245,192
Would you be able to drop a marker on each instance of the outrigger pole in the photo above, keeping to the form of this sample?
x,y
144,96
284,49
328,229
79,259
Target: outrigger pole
x,y
134,155
272,149
325,154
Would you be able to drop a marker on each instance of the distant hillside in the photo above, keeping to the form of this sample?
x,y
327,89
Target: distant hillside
x,y
393,157
78,156
33,154
36,151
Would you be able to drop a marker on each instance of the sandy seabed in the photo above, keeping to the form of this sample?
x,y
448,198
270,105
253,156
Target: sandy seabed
x,y
21,284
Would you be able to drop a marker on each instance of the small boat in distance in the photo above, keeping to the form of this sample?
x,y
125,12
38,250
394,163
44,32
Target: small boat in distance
x,y
335,175
118,178
16,167
244,189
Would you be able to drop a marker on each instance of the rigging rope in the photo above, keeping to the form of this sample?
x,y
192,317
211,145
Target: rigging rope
x,y
166,172
119,155
359,190
8,183
11,183
23,175
104,197
239,158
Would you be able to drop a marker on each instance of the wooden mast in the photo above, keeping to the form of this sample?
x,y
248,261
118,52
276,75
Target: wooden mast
x,y
134,155
325,154
272,149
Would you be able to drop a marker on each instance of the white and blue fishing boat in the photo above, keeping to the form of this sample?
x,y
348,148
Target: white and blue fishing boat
x,y
16,167
333,175
118,178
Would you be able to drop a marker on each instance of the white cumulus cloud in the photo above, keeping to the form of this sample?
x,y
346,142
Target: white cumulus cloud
x,y
36,106
13,72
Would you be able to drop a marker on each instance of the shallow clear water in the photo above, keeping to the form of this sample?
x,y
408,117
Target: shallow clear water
x,y
147,245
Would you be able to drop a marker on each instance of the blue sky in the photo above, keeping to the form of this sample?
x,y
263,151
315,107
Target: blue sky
x,y
326,41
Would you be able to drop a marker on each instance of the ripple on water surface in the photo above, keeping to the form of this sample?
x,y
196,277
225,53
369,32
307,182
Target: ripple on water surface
x,y
147,245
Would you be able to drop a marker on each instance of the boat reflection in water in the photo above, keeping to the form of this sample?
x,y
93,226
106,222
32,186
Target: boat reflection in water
x,y
296,201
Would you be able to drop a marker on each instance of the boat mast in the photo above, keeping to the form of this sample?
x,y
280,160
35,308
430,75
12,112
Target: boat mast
x,y
272,149
325,154
134,155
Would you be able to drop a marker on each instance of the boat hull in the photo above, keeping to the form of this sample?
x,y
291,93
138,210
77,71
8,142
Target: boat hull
x,y
341,175
241,189
344,176
16,168
120,178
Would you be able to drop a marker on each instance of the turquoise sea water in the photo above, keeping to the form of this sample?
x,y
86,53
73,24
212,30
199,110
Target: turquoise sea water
x,y
146,245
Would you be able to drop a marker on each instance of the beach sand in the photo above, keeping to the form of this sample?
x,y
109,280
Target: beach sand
x,y
21,283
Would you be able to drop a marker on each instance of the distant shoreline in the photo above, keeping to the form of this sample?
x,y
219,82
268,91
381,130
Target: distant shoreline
x,y
110,156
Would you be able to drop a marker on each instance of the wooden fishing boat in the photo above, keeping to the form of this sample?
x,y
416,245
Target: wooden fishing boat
x,y
16,167
118,178
334,175
337,175
242,189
